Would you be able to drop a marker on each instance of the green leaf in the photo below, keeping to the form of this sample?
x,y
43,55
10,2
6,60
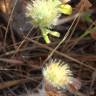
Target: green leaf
x,y
65,9
54,33
87,17
45,35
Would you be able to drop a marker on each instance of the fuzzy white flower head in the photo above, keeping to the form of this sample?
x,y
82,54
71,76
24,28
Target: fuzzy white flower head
x,y
43,12
57,73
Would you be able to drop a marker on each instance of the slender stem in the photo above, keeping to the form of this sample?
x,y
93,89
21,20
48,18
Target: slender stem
x,y
45,36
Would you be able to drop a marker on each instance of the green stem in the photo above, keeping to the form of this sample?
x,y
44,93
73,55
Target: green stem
x,y
45,36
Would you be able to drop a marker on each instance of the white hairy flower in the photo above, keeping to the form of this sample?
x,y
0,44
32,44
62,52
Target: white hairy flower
x,y
43,12
57,73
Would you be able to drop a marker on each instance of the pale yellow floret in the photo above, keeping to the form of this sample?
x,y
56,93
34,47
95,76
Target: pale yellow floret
x,y
43,12
57,73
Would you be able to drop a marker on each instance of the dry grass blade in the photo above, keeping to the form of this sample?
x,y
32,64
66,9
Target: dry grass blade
x,y
12,61
62,54
11,83
84,58
93,80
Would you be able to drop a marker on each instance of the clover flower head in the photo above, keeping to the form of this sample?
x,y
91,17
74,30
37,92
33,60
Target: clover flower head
x,y
43,12
57,73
